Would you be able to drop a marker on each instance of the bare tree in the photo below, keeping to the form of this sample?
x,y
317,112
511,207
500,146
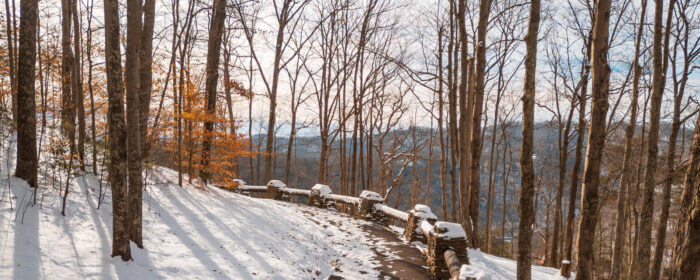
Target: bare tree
x,y
626,165
689,51
27,162
289,12
77,84
146,73
478,92
596,140
659,81
526,215
298,97
68,108
213,53
117,134
9,17
686,241
133,42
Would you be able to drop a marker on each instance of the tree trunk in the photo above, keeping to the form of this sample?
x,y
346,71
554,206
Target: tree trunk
x,y
478,92
573,189
441,120
526,215
670,153
269,144
67,109
27,164
11,55
596,141
228,83
466,107
213,51
658,83
146,74
626,163
563,142
93,129
133,42
685,261
78,85
491,191
452,109
117,133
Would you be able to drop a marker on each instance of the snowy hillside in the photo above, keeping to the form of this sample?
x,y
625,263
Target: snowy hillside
x,y
191,233
488,267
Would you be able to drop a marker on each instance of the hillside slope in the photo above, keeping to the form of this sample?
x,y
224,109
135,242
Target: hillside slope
x,y
190,233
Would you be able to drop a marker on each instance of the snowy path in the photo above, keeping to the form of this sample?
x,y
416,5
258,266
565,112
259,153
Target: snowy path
x,y
396,259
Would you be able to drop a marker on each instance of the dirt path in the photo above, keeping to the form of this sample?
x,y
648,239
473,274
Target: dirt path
x,y
410,263
395,258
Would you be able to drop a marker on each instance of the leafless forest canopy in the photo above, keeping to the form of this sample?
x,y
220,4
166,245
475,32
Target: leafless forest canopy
x,y
562,133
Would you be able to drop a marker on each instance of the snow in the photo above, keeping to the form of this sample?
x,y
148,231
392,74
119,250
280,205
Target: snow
x,y
468,271
188,234
323,190
343,198
483,266
401,215
191,233
251,188
297,192
450,230
422,208
239,181
370,195
423,212
276,184
565,262
357,249
426,228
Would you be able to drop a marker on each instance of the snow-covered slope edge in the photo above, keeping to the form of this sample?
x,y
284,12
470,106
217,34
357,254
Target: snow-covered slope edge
x,y
188,234
483,266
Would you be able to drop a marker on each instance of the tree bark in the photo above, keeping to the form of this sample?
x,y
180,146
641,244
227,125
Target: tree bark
x,y
563,141
117,133
441,120
478,92
658,83
213,51
466,107
11,55
670,153
146,74
685,262
78,85
272,116
93,125
596,141
133,42
67,109
573,189
526,215
491,191
626,162
452,109
27,164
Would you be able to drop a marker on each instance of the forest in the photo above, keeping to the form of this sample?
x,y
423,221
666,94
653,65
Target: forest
x,y
562,134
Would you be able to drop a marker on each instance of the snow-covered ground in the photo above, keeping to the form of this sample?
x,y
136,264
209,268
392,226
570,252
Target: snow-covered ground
x,y
483,266
190,233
